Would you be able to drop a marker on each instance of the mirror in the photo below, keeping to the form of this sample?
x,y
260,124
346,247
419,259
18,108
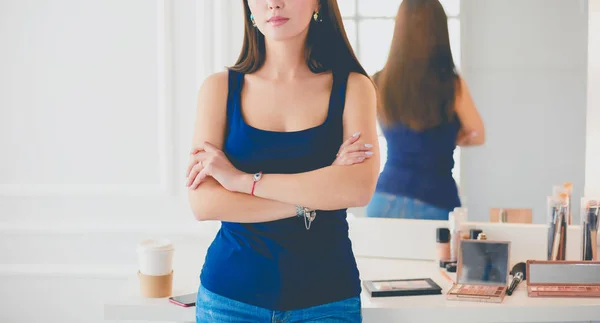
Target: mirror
x,y
483,262
526,67
565,273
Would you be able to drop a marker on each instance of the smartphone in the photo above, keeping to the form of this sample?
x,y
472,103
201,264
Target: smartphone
x,y
186,300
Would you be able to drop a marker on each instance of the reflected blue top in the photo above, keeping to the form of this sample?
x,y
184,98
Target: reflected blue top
x,y
419,164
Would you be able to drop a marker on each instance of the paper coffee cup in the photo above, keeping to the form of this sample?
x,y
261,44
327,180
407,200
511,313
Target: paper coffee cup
x,y
156,286
155,257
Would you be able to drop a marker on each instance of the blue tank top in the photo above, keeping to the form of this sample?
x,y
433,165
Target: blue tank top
x,y
419,164
280,265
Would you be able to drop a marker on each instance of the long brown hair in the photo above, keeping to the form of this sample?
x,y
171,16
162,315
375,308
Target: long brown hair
x,y
418,84
327,47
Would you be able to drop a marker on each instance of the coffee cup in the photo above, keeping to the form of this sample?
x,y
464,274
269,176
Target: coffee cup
x,y
155,257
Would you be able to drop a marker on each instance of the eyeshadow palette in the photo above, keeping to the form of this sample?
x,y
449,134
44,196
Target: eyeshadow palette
x,y
402,287
482,290
563,291
482,272
563,278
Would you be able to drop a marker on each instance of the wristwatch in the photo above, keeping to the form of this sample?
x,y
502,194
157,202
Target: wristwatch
x,y
307,214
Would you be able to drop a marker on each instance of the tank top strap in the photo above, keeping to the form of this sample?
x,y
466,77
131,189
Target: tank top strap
x,y
235,80
338,95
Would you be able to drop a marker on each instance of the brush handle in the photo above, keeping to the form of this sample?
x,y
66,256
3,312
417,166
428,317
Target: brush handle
x,y
594,244
586,253
557,236
551,234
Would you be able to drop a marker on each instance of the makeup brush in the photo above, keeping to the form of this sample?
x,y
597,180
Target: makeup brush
x,y
586,252
594,209
557,232
519,273
564,211
568,191
552,227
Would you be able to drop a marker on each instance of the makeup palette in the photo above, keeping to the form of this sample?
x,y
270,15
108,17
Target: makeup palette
x,y
402,287
563,278
482,272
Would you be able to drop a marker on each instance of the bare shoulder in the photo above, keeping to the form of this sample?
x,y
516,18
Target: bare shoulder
x,y
214,84
360,82
360,88
212,95
211,110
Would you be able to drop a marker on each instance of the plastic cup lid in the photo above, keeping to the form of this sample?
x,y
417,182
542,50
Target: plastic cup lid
x,y
155,245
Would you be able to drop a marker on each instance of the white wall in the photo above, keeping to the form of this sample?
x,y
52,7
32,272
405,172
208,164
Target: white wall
x,y
592,167
97,100
96,116
526,65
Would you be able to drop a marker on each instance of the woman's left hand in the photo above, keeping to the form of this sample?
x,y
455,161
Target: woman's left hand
x,y
211,161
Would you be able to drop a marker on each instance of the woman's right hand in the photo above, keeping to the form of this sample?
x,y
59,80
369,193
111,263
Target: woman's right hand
x,y
353,152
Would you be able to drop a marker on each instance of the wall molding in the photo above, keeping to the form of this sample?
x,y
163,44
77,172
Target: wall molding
x,y
165,143
165,95
592,151
205,40
69,271
197,229
38,190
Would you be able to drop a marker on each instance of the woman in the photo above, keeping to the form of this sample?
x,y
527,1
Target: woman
x,y
269,150
425,110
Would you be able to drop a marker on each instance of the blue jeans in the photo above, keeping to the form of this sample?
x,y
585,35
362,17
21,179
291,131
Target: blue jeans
x,y
213,308
384,205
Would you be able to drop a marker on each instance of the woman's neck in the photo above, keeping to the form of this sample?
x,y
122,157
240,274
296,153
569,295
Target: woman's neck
x,y
285,59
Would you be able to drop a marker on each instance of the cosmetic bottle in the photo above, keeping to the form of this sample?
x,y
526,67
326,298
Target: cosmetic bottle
x,y
464,230
451,268
474,233
590,209
456,222
502,216
443,246
462,211
453,234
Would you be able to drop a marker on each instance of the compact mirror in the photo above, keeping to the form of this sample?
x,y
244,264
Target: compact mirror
x,y
483,262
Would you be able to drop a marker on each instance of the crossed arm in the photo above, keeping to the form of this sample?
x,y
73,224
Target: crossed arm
x,y
222,192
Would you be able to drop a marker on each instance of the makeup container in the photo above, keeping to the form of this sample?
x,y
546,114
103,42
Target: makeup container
x,y
563,278
590,209
482,272
462,211
474,233
456,223
557,218
500,216
443,246
451,267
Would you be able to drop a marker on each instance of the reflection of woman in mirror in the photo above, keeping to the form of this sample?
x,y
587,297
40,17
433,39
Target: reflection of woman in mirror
x,y
425,111
289,129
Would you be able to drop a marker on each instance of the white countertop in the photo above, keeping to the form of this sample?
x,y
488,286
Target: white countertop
x,y
431,308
